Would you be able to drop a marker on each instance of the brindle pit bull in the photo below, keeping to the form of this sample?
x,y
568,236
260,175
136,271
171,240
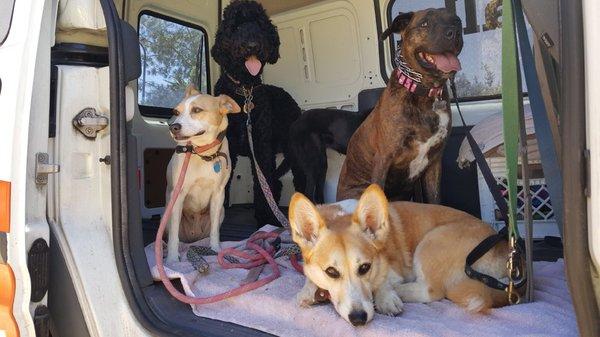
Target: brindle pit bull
x,y
403,138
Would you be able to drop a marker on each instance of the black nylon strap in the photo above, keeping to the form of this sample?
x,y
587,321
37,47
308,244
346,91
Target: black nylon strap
x,y
488,243
486,172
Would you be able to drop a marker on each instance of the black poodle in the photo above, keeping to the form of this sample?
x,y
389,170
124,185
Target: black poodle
x,y
245,41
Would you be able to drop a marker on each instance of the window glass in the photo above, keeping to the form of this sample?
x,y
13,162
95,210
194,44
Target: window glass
x,y
482,33
173,55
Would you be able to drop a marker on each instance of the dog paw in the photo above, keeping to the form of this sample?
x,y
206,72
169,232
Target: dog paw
x,y
215,246
305,299
306,295
388,303
172,259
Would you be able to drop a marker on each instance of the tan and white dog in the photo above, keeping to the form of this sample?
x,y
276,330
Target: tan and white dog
x,y
371,255
200,120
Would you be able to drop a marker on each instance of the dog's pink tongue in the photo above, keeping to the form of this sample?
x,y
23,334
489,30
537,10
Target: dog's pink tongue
x,y
253,65
447,62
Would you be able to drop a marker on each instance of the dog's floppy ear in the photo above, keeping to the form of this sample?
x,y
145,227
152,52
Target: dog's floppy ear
x,y
305,220
191,91
398,25
227,105
372,214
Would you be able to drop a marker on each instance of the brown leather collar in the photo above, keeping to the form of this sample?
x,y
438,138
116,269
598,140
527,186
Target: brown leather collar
x,y
198,150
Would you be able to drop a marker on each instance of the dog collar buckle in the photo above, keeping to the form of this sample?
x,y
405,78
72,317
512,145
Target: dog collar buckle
x,y
184,149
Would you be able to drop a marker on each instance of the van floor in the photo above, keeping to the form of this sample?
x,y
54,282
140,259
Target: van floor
x,y
240,223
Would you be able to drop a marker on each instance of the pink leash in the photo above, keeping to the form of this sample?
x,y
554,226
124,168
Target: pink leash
x,y
261,257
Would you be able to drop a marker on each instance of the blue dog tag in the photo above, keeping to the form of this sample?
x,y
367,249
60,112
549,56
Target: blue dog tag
x,y
217,167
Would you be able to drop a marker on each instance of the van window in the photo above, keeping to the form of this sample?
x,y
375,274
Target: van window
x,y
481,54
174,54
6,13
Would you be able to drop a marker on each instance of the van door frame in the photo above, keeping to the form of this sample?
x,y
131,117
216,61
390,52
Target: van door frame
x,y
573,123
121,203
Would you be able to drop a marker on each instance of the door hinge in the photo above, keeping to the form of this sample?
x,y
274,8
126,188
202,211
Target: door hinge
x,y
43,168
89,122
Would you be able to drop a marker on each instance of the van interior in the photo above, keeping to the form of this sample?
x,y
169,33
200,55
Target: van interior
x,y
331,57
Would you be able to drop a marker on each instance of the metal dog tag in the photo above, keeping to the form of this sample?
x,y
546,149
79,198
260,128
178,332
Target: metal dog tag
x,y
217,166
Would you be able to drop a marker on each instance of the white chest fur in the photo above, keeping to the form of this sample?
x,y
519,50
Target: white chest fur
x,y
420,162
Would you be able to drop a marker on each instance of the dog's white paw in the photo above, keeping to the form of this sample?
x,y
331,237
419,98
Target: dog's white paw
x,y
388,303
172,259
305,298
216,246
306,295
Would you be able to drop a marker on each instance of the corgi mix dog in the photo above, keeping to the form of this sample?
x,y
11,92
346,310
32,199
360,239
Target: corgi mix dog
x,y
372,255
200,121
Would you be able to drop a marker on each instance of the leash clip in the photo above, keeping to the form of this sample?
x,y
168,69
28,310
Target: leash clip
x,y
184,149
513,271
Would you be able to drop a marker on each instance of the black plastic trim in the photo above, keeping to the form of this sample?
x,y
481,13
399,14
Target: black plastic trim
x,y
573,125
163,112
380,46
77,54
38,264
53,94
66,314
155,111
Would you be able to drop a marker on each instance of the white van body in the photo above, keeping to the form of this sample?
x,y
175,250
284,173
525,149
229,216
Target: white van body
x,y
73,213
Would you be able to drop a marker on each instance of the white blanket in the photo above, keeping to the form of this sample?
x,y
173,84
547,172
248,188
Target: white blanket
x,y
273,309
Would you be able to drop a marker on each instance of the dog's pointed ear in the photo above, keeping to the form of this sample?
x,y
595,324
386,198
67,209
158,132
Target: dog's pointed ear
x,y
398,25
228,105
191,90
372,214
305,220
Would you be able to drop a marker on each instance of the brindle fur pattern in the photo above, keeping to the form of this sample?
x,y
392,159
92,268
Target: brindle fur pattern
x,y
388,141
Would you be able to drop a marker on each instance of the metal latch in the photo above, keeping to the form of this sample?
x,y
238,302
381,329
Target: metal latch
x,y
43,168
89,122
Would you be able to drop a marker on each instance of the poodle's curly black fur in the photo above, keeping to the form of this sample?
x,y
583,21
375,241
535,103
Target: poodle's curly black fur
x,y
247,31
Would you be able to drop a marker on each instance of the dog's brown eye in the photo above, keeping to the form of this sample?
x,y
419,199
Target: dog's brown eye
x,y
196,110
175,112
364,268
332,272
424,24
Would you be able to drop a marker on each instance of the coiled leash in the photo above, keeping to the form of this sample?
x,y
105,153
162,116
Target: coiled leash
x,y
259,258
255,262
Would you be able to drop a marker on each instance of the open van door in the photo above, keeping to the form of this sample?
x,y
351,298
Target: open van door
x,y
26,34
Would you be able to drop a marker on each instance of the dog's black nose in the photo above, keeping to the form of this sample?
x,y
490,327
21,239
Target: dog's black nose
x,y
175,128
358,317
451,33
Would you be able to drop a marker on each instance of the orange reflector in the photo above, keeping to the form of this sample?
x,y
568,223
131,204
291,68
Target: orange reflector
x,y
4,206
8,324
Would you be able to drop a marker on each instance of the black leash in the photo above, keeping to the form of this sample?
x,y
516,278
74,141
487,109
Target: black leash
x,y
491,241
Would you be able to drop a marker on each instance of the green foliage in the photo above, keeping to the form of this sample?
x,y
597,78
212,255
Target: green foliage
x,y
172,55
475,87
